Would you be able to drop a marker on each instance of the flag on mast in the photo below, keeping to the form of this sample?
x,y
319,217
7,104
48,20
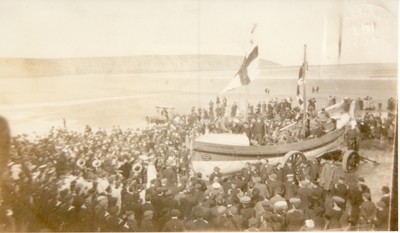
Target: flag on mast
x,y
300,82
249,70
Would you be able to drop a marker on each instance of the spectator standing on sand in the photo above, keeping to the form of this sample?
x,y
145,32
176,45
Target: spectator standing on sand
x,y
355,199
367,210
352,137
386,195
381,221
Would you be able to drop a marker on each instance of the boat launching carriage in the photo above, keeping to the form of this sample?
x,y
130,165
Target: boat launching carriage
x,y
230,152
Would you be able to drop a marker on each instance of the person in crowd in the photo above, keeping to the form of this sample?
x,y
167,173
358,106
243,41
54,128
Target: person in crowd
x,y
367,210
386,195
381,221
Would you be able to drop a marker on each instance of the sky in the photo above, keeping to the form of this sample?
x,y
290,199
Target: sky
x,y
93,28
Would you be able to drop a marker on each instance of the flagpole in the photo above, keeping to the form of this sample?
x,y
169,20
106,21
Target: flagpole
x,y
247,103
305,68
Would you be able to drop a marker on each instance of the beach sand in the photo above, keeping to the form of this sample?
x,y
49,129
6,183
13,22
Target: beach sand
x,y
34,105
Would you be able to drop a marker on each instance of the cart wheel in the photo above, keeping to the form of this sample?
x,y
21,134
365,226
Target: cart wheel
x,y
296,158
350,161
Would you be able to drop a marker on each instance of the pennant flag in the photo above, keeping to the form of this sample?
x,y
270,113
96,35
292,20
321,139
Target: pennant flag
x,y
248,71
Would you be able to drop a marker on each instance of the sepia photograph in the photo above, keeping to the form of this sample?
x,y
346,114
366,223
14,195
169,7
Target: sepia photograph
x,y
198,115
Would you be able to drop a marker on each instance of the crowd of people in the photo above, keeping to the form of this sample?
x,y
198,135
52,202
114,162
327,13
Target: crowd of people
x,y
265,124
141,180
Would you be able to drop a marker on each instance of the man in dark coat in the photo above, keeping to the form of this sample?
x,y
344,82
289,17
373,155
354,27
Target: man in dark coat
x,y
101,213
130,225
258,129
367,210
355,199
274,184
304,193
148,224
386,195
86,215
341,189
295,217
175,224
216,173
199,224
290,187
381,221
317,193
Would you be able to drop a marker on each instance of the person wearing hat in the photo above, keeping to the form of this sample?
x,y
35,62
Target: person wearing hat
x,y
113,221
334,215
288,169
169,173
202,208
169,201
278,217
355,198
364,187
148,224
274,185
294,217
381,221
198,224
290,187
280,172
247,209
258,130
277,197
386,195
101,213
175,224
130,223
68,215
262,187
327,175
234,190
341,189
158,200
216,173
317,193
266,170
367,210
86,214
262,207
319,219
352,136
250,188
304,192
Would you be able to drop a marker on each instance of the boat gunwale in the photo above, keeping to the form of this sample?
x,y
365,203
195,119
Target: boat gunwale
x,y
305,145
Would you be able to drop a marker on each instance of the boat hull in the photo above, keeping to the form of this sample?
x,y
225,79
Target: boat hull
x,y
231,158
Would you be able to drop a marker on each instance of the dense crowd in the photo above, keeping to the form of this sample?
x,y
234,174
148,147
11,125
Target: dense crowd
x,y
265,124
141,180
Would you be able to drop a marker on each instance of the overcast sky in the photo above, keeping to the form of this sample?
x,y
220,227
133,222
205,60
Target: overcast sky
x,y
84,28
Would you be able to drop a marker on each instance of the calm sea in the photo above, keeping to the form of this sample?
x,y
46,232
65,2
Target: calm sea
x,y
36,104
